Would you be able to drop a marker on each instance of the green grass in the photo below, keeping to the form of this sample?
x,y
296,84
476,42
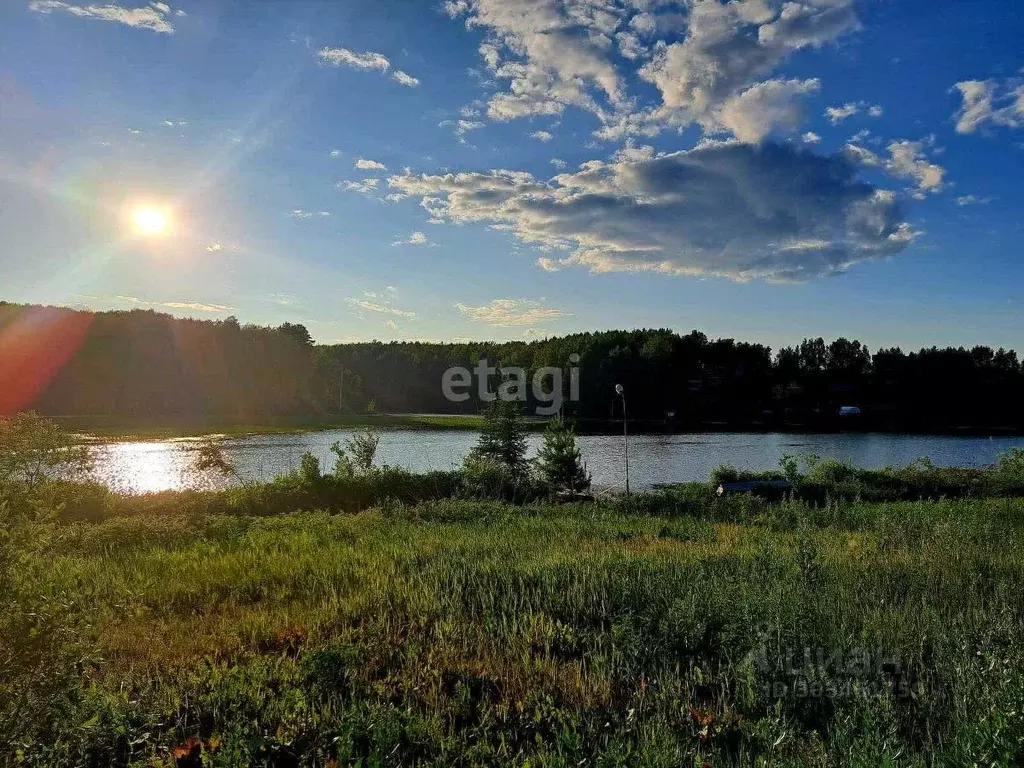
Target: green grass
x,y
466,633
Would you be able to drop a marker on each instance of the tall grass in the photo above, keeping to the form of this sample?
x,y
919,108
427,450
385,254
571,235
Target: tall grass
x,y
464,632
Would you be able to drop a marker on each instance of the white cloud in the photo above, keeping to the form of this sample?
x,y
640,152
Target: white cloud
x,y
152,17
370,165
214,248
553,53
836,115
339,57
774,212
811,138
335,153
298,213
414,238
699,54
559,164
966,200
369,60
383,309
407,80
367,187
907,160
752,115
511,313
462,127
195,306
544,136
728,49
986,102
630,46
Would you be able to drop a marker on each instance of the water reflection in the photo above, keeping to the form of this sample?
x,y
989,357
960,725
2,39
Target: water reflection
x,y
142,467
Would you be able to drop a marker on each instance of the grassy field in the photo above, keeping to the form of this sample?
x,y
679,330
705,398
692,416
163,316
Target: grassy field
x,y
478,633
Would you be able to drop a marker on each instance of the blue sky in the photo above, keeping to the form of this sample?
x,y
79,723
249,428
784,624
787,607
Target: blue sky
x,y
512,169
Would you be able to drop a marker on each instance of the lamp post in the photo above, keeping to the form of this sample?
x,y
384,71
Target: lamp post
x,y
621,392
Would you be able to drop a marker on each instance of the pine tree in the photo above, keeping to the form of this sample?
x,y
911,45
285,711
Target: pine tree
x,y
503,437
559,461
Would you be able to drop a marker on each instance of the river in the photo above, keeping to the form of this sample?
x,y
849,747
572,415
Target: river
x,y
141,467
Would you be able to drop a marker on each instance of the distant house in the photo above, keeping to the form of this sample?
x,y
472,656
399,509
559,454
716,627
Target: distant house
x,y
848,411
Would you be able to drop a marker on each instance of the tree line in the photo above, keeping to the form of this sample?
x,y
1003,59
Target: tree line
x,y
145,365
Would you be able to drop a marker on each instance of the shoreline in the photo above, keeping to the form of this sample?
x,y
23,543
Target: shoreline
x,y
105,429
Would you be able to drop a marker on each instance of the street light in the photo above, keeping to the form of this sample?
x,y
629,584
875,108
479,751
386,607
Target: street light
x,y
621,392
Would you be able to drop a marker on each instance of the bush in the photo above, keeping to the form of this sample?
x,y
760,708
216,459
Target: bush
x,y
358,453
726,473
559,462
502,438
482,478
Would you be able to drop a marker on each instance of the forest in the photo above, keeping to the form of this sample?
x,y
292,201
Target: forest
x,y
146,366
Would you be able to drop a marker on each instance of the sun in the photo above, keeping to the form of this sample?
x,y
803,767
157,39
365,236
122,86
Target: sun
x,y
150,221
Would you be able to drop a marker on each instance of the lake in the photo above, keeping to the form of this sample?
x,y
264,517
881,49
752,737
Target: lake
x,y
141,467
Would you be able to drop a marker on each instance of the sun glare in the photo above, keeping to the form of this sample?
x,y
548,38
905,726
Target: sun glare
x,y
150,221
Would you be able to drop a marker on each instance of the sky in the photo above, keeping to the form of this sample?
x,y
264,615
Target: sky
x,y
516,169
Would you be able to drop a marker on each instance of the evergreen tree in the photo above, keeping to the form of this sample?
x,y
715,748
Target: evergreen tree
x,y
502,437
558,459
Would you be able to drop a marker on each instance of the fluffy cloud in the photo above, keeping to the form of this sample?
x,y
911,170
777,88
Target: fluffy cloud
x,y
728,49
511,313
986,102
462,127
407,80
414,238
836,115
344,57
811,138
724,208
366,187
542,136
369,165
153,16
907,160
298,213
709,60
753,114
554,53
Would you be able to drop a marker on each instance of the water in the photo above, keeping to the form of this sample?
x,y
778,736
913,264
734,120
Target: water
x,y
141,467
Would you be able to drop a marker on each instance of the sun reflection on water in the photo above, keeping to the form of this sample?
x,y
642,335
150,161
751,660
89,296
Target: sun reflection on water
x,y
150,467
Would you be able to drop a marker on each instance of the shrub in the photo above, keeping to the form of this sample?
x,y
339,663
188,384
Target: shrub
x,y
559,462
358,453
502,438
